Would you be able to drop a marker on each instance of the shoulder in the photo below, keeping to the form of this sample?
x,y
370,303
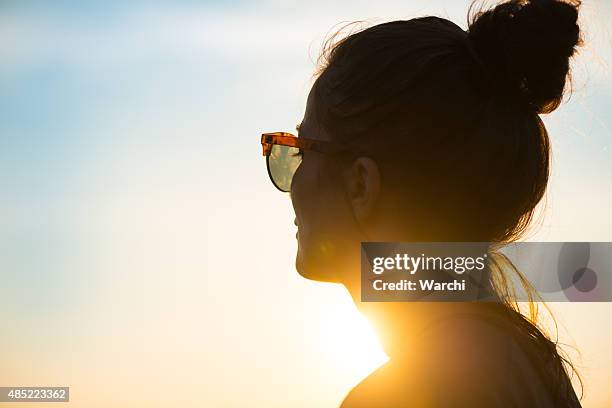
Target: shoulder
x,y
464,361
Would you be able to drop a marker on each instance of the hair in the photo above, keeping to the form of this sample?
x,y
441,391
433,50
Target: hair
x,y
452,119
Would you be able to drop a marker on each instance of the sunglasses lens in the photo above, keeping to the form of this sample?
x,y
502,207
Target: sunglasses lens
x,y
283,161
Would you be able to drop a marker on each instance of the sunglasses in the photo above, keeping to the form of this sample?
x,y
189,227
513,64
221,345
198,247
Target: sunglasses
x,y
284,152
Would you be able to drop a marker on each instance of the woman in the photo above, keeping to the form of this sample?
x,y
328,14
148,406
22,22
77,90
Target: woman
x,y
419,131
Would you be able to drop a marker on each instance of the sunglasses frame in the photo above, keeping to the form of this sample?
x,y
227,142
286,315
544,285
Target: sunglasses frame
x,y
288,139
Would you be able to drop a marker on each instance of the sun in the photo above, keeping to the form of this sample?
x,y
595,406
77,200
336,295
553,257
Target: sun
x,y
348,341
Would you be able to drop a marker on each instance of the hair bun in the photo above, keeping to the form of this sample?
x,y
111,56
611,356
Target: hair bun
x,y
526,46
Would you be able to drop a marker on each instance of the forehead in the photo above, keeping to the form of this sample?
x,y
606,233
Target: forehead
x,y
310,127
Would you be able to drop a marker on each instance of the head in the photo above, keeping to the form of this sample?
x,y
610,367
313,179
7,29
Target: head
x,y
442,128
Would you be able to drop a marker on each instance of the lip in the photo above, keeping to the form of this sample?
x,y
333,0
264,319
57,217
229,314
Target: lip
x,y
295,222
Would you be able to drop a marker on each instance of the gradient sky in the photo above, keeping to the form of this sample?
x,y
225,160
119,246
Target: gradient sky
x,y
137,216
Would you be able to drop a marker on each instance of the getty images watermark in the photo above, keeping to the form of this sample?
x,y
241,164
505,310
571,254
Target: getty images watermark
x,y
463,271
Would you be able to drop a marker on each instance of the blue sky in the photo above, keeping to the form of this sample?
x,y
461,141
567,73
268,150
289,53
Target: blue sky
x,y
135,200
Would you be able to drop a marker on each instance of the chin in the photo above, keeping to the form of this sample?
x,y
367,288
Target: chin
x,y
300,264
313,272
302,269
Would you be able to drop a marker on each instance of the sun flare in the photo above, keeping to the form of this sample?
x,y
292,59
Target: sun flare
x,y
349,342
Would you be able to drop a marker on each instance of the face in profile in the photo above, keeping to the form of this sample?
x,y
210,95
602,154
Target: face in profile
x,y
318,207
328,235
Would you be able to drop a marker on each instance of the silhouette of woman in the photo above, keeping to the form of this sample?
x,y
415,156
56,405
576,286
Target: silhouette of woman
x,y
420,131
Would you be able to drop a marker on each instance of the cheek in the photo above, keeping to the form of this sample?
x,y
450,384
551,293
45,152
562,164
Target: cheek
x,y
315,201
324,221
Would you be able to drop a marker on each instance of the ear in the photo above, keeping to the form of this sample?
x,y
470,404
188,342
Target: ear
x,y
362,180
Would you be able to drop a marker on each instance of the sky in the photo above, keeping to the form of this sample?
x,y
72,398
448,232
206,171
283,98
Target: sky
x,y
137,216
